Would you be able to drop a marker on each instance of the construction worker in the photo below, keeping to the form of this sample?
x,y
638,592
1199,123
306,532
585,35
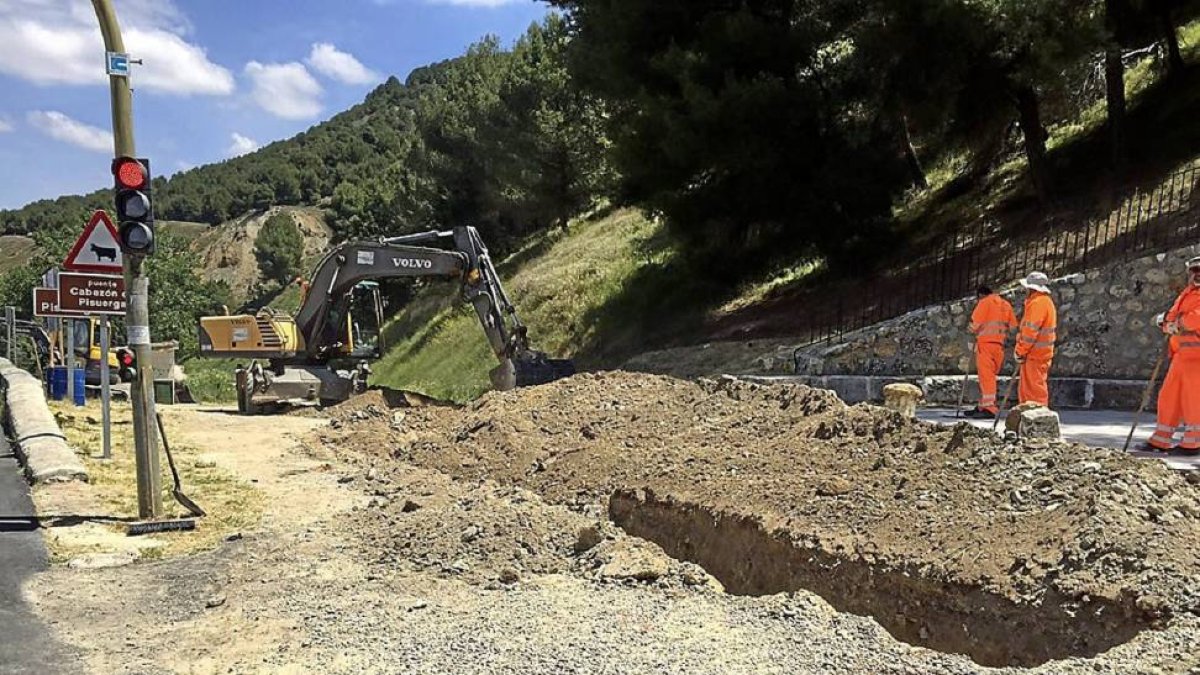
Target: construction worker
x,y
1179,398
1035,343
991,322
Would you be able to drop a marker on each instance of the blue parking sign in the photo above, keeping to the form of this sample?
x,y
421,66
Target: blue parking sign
x,y
117,64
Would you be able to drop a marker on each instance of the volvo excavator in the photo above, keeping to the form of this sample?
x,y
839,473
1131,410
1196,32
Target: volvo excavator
x,y
319,356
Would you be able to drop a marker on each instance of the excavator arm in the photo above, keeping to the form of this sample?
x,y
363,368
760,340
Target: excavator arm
x,y
318,329
320,320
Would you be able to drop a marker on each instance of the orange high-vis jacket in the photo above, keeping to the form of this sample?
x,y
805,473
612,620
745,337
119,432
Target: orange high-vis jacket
x,y
992,320
1039,325
1186,311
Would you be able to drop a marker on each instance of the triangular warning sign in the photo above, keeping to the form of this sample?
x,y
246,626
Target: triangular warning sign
x,y
97,249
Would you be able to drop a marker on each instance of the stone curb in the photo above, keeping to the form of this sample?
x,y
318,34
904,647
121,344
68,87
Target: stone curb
x,y
40,443
1078,393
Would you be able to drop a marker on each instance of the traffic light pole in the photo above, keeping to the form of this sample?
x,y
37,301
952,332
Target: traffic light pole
x,y
137,314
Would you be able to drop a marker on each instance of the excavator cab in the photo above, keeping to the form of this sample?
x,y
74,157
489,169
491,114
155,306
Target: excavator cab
x,y
354,327
364,322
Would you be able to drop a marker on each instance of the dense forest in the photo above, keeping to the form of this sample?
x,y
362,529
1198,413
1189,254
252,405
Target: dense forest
x,y
759,130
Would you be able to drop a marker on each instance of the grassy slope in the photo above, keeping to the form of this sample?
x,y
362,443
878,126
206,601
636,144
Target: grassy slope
x,y
15,252
583,294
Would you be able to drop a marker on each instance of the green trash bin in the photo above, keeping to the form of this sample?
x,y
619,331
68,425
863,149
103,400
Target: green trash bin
x,y
164,392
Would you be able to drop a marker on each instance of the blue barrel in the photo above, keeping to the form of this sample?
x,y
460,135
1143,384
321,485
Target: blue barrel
x,y
80,386
58,382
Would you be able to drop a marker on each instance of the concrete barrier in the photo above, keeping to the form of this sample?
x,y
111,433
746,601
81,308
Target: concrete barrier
x,y
40,442
943,390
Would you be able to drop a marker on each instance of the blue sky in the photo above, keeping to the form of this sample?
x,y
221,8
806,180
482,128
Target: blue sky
x,y
221,77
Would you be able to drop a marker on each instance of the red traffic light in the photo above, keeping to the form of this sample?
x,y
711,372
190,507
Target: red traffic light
x,y
125,357
130,173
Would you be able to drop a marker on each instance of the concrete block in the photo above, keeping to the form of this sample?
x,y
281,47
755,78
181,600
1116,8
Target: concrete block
x,y
1012,420
1070,392
881,382
849,388
1039,423
902,397
1121,395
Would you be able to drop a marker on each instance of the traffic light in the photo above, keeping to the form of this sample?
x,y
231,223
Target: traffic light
x,y
126,364
135,213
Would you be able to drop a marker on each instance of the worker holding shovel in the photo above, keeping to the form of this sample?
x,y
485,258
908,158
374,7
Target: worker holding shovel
x,y
1179,399
991,322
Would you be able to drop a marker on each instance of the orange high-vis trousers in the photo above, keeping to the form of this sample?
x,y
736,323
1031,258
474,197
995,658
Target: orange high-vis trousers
x,y
989,359
1179,406
1035,382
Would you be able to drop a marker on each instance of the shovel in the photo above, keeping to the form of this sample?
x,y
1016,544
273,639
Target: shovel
x,y
1012,383
177,492
962,393
1162,358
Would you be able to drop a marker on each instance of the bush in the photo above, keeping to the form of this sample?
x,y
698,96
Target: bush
x,y
279,248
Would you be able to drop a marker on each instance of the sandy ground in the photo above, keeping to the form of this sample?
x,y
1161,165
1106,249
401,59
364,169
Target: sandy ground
x,y
365,562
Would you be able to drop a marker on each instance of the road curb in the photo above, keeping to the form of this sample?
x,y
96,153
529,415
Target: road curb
x,y
40,443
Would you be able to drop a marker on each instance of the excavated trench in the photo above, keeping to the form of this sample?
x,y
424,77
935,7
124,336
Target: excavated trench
x,y
936,614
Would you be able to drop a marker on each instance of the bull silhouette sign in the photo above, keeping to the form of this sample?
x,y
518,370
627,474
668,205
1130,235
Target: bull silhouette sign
x,y
97,249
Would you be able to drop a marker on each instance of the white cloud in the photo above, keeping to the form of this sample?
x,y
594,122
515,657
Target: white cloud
x,y
56,42
160,14
5,125
343,67
285,90
241,145
58,126
174,66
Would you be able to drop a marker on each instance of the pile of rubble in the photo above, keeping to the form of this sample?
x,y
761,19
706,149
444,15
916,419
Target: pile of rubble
x,y
1012,552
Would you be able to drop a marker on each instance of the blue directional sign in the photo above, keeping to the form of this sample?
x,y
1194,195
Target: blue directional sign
x,y
117,64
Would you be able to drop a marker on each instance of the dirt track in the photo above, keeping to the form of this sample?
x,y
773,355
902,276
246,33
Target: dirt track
x,y
497,538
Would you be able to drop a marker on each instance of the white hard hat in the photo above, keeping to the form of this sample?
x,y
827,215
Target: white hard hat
x,y
1194,262
1037,281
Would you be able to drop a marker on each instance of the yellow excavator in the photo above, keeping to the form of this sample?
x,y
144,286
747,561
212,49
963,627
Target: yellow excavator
x,y
321,355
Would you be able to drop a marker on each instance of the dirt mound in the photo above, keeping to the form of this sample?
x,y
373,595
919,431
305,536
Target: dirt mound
x,y
498,535
950,538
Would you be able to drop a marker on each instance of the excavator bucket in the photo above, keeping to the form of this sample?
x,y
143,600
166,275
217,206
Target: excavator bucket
x,y
530,369
536,368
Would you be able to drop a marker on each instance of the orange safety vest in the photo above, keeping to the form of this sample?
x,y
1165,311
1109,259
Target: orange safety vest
x,y
992,320
1186,311
1039,325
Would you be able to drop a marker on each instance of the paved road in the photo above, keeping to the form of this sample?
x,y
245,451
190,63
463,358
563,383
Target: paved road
x,y
1097,428
26,646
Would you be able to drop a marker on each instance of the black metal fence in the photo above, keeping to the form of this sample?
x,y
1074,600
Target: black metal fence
x,y
1139,223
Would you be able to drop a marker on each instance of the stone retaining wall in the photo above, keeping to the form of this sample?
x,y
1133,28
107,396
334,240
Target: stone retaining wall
x,y
1105,329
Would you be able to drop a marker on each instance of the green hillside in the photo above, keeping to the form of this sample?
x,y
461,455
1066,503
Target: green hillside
x,y
583,293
